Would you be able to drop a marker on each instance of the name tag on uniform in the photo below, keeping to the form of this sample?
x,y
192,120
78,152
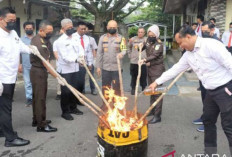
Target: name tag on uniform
x,y
44,46
157,47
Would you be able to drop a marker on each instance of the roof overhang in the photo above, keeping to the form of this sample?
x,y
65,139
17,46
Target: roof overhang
x,y
175,6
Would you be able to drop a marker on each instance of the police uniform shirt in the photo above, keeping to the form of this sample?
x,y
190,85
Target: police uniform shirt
x,y
43,47
88,51
69,50
210,60
10,48
133,51
108,49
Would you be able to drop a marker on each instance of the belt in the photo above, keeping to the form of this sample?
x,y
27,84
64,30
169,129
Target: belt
x,y
222,86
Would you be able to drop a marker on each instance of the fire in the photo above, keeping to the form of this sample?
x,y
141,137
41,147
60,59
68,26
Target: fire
x,y
115,118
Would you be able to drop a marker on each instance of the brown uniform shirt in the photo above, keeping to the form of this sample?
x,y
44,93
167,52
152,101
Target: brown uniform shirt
x,y
44,47
155,57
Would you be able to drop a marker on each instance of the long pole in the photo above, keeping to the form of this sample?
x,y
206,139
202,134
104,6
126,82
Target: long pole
x,y
97,86
53,71
137,83
121,82
160,97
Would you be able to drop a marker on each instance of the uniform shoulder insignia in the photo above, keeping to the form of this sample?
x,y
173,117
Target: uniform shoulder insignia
x,y
157,47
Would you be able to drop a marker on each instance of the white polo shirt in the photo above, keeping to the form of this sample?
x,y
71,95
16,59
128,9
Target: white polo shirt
x,y
10,48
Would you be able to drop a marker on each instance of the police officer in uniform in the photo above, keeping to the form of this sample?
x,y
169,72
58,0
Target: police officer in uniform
x,y
133,54
154,51
39,77
107,53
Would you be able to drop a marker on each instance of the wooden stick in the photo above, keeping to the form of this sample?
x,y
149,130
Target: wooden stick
x,y
160,97
97,86
121,83
137,83
55,74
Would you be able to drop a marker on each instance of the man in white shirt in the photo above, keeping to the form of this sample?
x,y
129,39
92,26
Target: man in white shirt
x,y
216,30
212,63
69,51
93,47
200,20
10,48
227,38
85,43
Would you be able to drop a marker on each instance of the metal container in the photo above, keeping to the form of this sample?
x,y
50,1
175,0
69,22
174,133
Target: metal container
x,y
122,144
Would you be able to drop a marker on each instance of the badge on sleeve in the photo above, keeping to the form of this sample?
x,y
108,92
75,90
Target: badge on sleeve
x,y
157,47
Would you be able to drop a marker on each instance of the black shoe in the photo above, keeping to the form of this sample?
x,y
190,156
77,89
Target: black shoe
x,y
29,102
58,97
133,92
154,120
80,104
93,92
17,142
67,116
34,123
76,111
47,128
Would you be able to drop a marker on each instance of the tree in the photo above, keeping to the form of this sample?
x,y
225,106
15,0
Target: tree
x,y
104,10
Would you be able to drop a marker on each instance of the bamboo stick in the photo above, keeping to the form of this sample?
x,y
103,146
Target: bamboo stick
x,y
53,71
121,82
97,86
160,97
137,83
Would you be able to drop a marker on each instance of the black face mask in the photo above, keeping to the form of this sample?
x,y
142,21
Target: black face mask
x,y
206,35
70,31
11,26
112,31
29,32
48,36
151,39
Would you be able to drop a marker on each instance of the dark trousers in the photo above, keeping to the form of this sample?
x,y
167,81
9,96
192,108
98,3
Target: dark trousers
x,y
203,94
217,101
110,79
92,86
39,82
6,112
68,100
134,74
157,110
82,73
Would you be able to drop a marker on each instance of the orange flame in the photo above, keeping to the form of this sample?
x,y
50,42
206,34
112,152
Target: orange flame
x,y
118,121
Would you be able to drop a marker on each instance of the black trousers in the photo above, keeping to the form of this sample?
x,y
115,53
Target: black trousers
x,y
203,94
217,101
68,100
6,112
110,79
81,81
39,83
134,74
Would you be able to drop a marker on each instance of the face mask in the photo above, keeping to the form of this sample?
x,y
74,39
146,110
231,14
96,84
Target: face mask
x,y
48,36
11,25
70,31
29,32
206,34
151,39
112,31
230,29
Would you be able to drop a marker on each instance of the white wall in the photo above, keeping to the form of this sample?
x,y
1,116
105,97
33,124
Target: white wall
x,y
21,12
